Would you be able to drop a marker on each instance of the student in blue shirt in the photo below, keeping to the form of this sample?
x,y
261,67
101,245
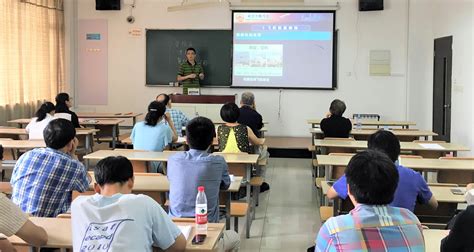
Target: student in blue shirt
x,y
155,133
412,188
190,169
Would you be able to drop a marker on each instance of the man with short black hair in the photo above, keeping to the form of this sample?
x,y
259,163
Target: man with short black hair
x,y
412,187
190,72
44,178
135,222
372,225
248,113
196,167
177,116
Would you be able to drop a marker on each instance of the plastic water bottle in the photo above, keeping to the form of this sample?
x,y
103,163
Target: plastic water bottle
x,y
201,211
358,122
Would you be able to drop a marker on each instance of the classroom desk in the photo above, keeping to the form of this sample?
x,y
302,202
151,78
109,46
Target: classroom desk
x,y
86,132
131,115
105,125
151,185
59,232
442,194
230,158
317,133
433,239
404,146
403,124
182,140
422,164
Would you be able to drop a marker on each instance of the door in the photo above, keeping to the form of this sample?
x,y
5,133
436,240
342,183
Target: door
x,y
442,88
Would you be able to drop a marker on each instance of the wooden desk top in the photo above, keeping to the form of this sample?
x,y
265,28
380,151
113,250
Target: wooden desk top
x,y
447,147
413,163
371,122
82,121
27,144
108,115
18,131
235,158
433,239
444,194
93,122
366,132
180,140
59,232
144,183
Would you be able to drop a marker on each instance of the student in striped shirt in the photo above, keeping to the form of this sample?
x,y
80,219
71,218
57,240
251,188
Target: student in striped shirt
x,y
372,225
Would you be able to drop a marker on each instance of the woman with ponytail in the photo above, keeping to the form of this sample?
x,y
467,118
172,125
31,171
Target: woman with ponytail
x,y
155,133
37,124
63,103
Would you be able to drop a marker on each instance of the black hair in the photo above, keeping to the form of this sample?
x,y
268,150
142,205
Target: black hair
x,y
372,178
166,98
58,133
337,107
155,111
45,109
386,142
111,170
61,105
1,152
200,133
230,112
191,49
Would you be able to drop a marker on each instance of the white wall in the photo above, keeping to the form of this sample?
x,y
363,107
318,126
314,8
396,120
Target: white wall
x,y
434,19
359,33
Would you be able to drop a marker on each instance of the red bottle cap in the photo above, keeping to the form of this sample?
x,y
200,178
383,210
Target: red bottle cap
x,y
201,188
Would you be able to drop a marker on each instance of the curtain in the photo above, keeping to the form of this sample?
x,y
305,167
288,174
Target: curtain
x,y
31,55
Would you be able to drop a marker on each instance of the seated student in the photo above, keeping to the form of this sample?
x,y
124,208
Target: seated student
x,y
44,178
154,134
372,225
196,167
248,113
232,136
461,234
335,125
135,222
63,103
177,116
37,124
412,188
14,222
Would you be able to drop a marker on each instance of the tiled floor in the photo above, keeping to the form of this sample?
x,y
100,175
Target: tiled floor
x,y
287,218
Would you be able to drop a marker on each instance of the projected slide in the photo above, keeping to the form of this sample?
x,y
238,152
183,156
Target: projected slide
x,y
283,49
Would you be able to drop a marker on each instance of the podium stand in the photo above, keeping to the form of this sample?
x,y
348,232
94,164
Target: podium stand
x,y
201,105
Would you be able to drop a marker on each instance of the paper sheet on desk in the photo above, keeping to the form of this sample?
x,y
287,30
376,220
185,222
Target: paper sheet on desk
x,y
181,140
186,230
434,146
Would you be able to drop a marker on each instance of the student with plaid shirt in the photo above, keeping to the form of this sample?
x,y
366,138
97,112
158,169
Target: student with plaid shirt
x,y
373,225
177,116
43,179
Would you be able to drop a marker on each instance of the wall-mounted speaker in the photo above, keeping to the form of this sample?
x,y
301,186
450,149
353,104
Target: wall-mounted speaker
x,y
107,4
370,5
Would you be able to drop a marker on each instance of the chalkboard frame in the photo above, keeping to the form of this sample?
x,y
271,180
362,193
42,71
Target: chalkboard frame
x,y
228,76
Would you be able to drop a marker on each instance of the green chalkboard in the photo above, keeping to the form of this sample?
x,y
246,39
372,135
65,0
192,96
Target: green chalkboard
x,y
166,49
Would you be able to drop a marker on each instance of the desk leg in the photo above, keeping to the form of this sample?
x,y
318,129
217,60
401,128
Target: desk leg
x,y
227,211
114,135
88,144
87,164
327,172
248,172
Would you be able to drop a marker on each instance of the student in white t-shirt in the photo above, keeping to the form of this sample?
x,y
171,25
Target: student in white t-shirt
x,y
115,220
37,124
